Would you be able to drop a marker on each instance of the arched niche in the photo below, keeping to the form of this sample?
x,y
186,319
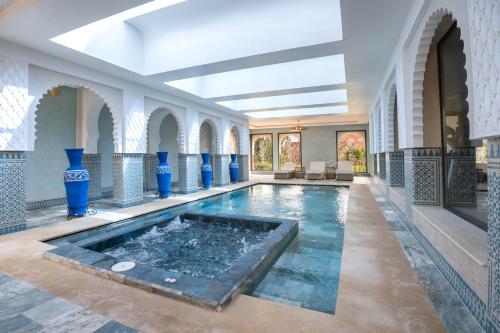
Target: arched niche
x,y
234,140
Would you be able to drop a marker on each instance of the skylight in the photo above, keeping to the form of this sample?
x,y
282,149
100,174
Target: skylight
x,y
298,112
289,75
293,100
94,38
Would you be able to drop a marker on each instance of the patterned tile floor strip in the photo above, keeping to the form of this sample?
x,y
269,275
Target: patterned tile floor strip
x,y
451,310
24,308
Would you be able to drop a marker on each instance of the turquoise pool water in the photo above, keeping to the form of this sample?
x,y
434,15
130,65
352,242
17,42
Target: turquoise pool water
x,y
307,273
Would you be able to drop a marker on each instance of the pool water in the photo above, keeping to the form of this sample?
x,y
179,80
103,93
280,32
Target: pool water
x,y
190,247
307,273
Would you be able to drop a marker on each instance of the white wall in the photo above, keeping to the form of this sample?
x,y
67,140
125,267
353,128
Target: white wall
x,y
56,131
482,65
169,142
105,146
27,74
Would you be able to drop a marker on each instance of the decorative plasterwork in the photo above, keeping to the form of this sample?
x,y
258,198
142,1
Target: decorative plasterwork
x,y
156,111
419,74
484,19
14,101
391,99
134,123
46,80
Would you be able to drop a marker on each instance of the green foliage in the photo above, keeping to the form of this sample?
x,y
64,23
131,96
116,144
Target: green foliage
x,y
356,155
262,154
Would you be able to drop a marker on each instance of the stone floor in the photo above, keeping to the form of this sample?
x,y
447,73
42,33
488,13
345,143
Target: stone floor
x,y
24,308
378,292
450,308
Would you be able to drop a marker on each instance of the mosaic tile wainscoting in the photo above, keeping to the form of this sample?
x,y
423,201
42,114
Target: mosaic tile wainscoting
x,y
462,180
92,162
243,173
382,166
150,163
221,170
494,235
12,191
423,176
127,179
375,164
188,173
395,169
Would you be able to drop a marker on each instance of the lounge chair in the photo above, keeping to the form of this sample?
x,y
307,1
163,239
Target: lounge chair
x,y
316,170
344,170
286,172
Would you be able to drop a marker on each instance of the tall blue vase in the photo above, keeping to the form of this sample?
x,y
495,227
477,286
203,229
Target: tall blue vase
x,y
163,174
76,181
233,168
206,171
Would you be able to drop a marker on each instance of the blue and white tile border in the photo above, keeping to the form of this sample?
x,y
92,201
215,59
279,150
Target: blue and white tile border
x,y
12,191
128,179
188,173
423,176
395,169
221,169
382,166
494,235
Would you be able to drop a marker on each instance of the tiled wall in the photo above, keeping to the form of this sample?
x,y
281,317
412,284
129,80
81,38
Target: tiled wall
x,y
395,169
12,191
382,166
494,234
188,173
221,170
92,162
423,176
150,163
243,170
127,179
462,178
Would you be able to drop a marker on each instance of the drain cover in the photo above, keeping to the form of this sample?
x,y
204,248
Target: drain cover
x,y
123,266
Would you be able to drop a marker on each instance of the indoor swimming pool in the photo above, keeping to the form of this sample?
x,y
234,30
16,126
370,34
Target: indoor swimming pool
x,y
243,241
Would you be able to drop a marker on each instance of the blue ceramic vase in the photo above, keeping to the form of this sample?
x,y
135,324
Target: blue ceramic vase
x,y
163,174
76,181
206,171
233,168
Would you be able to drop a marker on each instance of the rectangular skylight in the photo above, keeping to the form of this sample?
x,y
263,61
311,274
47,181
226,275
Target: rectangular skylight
x,y
298,112
289,75
292,100
81,38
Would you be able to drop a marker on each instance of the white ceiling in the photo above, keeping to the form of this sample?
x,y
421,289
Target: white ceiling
x,y
275,58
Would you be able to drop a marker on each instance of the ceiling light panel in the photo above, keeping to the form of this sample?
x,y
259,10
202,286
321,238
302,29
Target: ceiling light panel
x,y
298,112
289,75
293,100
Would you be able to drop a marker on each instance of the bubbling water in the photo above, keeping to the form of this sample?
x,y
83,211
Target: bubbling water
x,y
199,249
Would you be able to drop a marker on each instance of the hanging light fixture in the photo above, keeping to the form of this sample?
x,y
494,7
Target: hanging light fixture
x,y
298,127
